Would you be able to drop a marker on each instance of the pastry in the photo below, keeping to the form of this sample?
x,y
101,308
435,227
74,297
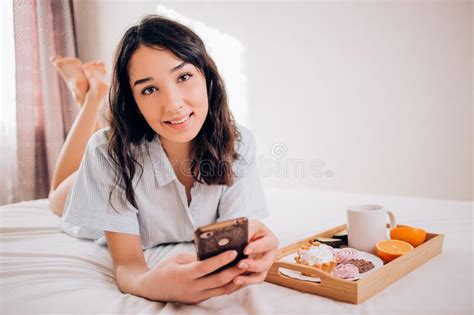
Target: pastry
x,y
361,264
345,254
345,271
317,255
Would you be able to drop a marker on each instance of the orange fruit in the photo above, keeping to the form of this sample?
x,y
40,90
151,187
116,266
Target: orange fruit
x,y
409,234
390,249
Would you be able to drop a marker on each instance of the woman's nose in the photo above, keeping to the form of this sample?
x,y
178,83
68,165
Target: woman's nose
x,y
173,100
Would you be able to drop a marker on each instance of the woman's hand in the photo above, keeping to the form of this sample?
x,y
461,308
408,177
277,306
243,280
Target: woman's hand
x,y
183,278
262,250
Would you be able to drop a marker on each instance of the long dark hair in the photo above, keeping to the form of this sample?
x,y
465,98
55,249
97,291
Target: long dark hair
x,y
213,147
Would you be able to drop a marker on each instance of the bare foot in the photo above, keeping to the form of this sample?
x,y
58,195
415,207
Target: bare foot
x,y
71,71
95,73
98,88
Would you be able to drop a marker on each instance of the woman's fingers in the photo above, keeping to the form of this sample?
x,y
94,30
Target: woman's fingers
x,y
204,267
250,279
184,258
218,279
260,264
223,290
266,243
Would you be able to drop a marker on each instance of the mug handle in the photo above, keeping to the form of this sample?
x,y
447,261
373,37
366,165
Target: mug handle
x,y
393,222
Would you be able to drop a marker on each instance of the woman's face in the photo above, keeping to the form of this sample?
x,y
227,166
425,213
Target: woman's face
x,y
171,94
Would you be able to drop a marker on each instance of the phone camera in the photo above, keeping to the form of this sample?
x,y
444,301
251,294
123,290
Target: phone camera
x,y
206,235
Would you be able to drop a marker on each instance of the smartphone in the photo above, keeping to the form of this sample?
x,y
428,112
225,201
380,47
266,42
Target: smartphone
x,y
213,239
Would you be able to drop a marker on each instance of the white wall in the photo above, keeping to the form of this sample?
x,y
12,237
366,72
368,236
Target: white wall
x,y
371,97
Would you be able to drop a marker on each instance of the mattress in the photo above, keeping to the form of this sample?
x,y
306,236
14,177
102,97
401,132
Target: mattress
x,y
43,270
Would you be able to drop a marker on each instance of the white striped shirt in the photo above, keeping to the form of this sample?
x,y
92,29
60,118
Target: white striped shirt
x,y
162,214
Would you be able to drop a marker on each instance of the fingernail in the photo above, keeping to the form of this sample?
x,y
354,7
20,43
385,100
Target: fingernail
x,y
238,282
243,265
248,250
232,254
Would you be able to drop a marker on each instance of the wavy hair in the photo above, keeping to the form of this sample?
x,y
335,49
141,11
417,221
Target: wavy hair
x,y
213,147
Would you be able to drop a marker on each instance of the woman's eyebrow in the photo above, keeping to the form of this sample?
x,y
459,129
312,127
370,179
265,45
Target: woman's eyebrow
x,y
141,81
178,66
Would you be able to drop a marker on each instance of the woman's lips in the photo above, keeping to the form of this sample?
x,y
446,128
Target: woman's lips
x,y
179,119
180,124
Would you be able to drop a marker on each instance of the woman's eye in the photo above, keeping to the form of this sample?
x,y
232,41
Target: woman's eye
x,y
187,75
148,90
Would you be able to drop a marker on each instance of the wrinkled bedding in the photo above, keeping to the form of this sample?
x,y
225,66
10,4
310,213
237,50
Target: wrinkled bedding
x,y
43,270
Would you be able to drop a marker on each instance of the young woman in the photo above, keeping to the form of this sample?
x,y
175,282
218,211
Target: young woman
x,y
172,160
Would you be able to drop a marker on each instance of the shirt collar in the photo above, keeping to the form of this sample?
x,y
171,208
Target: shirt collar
x,y
162,167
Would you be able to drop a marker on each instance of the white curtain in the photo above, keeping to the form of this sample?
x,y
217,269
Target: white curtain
x,y
8,139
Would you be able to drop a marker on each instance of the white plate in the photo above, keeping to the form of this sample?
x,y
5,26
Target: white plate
x,y
360,255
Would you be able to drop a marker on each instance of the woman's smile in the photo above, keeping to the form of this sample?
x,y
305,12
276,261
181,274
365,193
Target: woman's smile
x,y
180,122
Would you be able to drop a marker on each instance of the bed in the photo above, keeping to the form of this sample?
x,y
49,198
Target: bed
x,y
43,270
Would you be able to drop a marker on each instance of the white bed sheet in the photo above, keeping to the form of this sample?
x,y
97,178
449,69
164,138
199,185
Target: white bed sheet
x,y
43,270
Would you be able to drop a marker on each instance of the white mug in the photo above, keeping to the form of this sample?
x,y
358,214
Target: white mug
x,y
366,225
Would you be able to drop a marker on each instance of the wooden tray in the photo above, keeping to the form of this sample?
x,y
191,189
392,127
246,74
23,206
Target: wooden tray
x,y
352,291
